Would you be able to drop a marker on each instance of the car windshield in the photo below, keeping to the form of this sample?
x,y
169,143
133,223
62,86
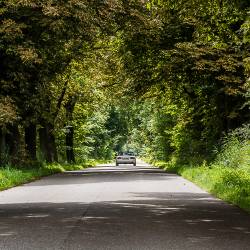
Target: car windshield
x,y
126,153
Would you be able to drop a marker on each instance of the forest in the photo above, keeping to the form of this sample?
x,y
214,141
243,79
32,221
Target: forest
x,y
82,79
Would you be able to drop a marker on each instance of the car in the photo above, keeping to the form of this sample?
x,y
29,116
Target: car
x,y
126,158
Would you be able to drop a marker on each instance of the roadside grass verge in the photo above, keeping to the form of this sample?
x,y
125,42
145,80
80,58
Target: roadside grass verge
x,y
14,176
227,184
228,176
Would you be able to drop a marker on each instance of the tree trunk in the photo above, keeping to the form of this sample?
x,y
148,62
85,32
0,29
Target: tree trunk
x,y
70,105
70,144
47,143
13,143
30,141
2,147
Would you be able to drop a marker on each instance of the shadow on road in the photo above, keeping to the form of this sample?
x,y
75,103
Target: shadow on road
x,y
119,208
183,220
105,174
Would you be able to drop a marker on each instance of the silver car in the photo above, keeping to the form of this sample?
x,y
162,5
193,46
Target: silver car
x,y
125,159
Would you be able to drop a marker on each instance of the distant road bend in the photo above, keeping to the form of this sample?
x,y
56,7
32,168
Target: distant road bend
x,y
117,208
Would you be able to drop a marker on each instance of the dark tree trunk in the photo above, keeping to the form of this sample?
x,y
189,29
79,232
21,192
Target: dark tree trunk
x,y
47,143
70,144
70,105
2,147
30,141
43,143
52,145
13,143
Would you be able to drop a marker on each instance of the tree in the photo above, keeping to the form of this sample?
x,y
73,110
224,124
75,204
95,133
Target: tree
x,y
191,53
38,41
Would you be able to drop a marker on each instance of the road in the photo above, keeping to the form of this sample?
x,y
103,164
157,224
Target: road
x,y
117,208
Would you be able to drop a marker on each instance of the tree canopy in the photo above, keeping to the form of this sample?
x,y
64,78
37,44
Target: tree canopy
x,y
84,78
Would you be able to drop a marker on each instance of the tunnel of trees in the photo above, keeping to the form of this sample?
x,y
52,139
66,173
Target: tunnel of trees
x,y
84,79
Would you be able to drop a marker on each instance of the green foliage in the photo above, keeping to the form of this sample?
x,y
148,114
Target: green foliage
x,y
190,70
39,43
8,112
149,136
166,78
235,150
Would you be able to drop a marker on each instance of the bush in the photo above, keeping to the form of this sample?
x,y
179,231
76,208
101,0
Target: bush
x,y
235,150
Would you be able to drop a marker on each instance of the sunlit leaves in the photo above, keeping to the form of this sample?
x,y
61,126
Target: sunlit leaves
x,y
8,111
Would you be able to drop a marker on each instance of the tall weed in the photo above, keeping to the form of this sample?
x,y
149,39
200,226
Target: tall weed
x,y
235,150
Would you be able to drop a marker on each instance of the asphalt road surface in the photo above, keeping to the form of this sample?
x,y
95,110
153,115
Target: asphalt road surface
x,y
117,208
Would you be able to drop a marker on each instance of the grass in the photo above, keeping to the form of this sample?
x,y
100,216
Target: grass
x,y
13,176
227,177
231,185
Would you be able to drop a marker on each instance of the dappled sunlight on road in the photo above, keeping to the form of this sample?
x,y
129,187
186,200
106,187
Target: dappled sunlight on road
x,y
84,185
121,207
183,219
